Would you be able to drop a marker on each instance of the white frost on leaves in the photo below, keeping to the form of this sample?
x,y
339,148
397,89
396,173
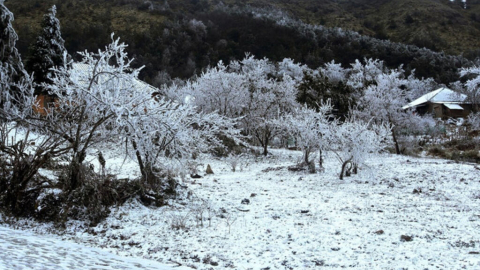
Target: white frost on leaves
x,y
473,84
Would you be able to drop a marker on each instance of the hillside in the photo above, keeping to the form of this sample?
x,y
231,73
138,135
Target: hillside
x,y
436,24
180,38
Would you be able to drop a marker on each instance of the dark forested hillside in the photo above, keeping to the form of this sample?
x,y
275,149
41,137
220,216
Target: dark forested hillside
x,y
442,25
179,38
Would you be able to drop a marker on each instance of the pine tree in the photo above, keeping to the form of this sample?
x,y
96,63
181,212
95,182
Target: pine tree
x,y
47,51
11,64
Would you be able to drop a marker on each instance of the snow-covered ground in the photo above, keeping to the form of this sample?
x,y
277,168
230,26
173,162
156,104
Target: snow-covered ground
x,y
30,251
400,213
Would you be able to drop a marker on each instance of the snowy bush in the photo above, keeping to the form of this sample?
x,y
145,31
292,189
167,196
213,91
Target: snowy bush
x,y
473,84
353,141
474,120
334,72
310,129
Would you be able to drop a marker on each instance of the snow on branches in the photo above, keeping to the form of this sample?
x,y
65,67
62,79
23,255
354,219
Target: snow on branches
x,y
254,90
101,99
310,129
472,85
353,141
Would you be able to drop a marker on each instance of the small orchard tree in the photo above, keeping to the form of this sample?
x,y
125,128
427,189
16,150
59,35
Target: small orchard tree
x,y
165,129
101,100
217,89
353,141
92,99
311,129
269,100
383,102
48,49
270,96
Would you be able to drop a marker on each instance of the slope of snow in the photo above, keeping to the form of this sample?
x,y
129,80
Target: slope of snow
x,y
400,213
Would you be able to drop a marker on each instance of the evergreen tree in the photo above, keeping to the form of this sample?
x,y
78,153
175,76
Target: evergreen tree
x,y
47,51
10,61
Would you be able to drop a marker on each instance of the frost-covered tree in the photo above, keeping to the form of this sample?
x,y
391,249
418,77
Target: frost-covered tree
x,y
334,72
353,141
364,74
416,88
383,101
102,100
474,120
15,106
10,60
48,49
92,95
216,89
311,130
23,147
269,99
386,92
292,69
163,129
253,90
472,85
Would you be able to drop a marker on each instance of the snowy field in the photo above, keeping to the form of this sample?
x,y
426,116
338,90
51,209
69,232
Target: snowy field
x,y
400,213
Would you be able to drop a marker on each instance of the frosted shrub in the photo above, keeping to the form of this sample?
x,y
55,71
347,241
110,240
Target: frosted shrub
x,y
235,161
474,120
310,129
353,141
472,85
334,72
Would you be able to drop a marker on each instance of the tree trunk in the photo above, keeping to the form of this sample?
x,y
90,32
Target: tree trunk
x,y
397,148
344,167
148,177
265,146
320,160
75,171
306,156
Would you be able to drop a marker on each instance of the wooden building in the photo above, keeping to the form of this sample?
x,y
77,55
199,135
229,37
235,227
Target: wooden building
x,y
442,103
